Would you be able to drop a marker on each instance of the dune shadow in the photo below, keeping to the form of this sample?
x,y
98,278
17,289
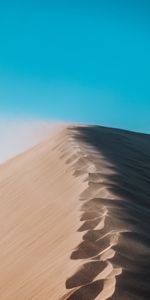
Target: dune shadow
x,y
88,249
86,274
127,157
89,224
88,292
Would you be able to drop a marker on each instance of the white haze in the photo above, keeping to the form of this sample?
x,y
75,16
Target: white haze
x,y
17,136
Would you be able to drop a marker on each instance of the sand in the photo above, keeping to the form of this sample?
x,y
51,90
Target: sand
x,y
75,217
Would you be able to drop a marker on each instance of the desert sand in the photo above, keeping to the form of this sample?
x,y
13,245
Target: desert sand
x,y
75,217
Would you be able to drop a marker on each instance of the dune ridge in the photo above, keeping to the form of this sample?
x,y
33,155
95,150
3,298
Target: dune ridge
x,y
96,277
75,218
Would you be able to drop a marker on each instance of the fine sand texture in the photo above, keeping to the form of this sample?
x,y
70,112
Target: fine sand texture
x,y
75,218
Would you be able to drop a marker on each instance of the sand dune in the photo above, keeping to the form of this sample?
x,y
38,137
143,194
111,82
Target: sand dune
x,y
75,218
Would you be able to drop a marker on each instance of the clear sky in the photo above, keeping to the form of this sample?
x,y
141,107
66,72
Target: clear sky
x,y
83,61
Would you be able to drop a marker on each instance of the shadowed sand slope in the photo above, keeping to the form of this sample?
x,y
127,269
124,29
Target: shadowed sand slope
x,y
75,218
114,251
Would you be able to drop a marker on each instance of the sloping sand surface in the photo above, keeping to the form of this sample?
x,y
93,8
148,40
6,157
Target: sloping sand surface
x,y
75,218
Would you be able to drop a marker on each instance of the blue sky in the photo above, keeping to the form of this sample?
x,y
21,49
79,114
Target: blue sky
x,y
81,61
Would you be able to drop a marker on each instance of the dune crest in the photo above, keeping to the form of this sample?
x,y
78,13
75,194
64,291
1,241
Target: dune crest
x,y
75,218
